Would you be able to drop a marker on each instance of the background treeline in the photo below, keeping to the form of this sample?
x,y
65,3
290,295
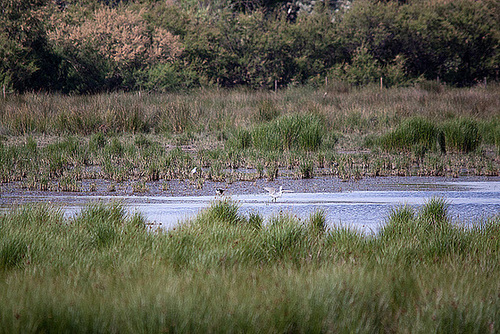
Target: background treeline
x,y
90,46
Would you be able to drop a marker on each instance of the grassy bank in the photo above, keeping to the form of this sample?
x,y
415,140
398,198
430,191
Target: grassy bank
x,y
54,141
103,271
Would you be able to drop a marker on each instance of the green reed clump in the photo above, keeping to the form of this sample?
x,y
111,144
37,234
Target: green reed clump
x,y
13,253
284,238
289,132
26,235
344,243
114,147
224,211
102,226
429,235
462,135
415,134
178,161
240,139
317,222
255,220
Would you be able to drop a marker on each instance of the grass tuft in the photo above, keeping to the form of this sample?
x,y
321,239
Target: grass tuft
x,y
462,135
416,134
289,132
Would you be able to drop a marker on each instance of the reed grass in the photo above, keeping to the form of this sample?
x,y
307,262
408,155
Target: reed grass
x,y
287,132
103,270
415,134
462,135
150,137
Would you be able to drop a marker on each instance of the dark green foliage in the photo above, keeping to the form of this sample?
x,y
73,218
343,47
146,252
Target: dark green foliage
x,y
251,43
452,41
26,60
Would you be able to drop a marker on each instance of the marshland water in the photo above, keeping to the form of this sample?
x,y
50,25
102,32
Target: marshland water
x,y
360,204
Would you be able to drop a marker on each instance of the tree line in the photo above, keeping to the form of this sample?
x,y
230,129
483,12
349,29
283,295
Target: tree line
x,y
90,46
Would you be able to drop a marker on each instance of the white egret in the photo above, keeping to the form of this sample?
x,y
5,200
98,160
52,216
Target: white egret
x,y
275,194
194,170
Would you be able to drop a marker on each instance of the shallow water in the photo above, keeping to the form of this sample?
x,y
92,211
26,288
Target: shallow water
x,y
365,210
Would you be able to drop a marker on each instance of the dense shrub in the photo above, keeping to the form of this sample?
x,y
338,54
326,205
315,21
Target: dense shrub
x,y
91,46
117,39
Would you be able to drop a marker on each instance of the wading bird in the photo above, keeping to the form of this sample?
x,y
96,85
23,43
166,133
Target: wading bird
x,y
275,194
219,191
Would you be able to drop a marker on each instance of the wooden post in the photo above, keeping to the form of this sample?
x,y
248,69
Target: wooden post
x,y
3,90
326,82
381,83
485,83
275,86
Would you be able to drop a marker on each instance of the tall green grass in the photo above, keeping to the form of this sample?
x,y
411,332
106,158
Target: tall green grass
x,y
105,271
415,134
289,132
462,135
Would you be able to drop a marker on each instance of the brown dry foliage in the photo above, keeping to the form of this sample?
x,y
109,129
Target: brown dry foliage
x,y
119,34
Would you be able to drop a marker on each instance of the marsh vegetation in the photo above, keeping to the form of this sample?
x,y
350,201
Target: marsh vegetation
x,y
103,270
52,142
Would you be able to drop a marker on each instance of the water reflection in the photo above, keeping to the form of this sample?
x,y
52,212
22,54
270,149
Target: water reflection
x,y
363,210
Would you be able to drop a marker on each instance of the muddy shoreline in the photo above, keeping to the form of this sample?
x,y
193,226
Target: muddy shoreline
x,y
190,187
